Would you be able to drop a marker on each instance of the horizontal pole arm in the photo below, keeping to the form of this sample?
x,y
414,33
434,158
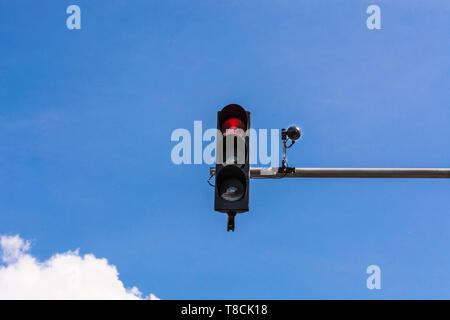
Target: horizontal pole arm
x,y
271,173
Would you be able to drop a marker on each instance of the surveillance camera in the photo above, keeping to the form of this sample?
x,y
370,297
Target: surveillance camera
x,y
294,133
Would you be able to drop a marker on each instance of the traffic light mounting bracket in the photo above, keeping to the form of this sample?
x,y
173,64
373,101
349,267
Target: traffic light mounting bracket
x,y
212,173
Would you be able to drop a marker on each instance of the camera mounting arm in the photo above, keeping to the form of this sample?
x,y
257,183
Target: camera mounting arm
x,y
293,133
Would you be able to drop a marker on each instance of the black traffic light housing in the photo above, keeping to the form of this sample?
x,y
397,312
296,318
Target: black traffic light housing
x,y
231,194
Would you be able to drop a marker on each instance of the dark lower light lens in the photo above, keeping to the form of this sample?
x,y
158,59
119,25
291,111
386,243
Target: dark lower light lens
x,y
232,189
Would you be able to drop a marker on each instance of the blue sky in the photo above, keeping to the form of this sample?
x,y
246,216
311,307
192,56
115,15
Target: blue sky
x,y
86,117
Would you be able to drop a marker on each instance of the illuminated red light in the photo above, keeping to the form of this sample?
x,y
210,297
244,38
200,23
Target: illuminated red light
x,y
233,126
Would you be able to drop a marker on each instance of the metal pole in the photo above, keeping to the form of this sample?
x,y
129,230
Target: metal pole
x,y
271,173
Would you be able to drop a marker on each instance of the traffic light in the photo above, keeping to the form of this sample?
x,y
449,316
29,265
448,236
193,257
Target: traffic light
x,y
232,162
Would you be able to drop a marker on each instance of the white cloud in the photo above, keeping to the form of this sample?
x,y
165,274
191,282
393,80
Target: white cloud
x,y
63,276
13,248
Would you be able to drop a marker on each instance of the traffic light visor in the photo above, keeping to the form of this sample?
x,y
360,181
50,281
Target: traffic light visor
x,y
232,117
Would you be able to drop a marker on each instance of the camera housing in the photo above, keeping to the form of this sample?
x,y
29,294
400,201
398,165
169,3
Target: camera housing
x,y
294,133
